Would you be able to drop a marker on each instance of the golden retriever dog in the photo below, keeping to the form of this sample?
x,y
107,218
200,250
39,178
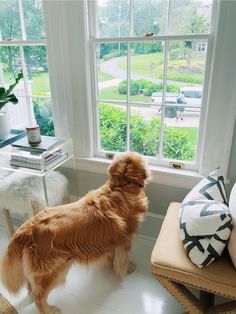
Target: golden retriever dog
x,y
101,224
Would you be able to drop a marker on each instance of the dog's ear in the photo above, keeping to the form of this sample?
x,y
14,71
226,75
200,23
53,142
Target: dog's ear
x,y
129,167
117,170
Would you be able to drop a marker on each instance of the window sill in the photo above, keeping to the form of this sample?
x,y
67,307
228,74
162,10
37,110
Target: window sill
x,y
161,175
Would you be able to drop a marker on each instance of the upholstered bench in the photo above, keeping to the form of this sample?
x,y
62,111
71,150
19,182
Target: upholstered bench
x,y
173,269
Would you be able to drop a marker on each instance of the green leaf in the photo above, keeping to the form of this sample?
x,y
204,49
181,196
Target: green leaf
x,y
2,91
18,78
6,96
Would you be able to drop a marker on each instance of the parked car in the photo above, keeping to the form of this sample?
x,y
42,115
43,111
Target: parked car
x,y
192,97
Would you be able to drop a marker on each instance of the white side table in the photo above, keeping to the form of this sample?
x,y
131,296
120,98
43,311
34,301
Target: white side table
x,y
25,190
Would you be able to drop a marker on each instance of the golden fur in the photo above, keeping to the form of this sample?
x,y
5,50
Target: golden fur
x,y
102,223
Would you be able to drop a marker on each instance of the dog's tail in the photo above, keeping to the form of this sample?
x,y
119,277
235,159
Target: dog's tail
x,y
12,275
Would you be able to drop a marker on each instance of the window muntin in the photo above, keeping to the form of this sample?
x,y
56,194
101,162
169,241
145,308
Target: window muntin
x,y
170,64
23,47
125,18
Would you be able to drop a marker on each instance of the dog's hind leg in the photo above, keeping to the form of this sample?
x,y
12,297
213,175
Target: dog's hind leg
x,y
41,287
121,263
44,284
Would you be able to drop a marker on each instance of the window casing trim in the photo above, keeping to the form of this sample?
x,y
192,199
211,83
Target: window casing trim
x,y
217,144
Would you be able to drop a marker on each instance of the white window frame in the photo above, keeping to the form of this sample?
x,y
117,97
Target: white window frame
x,y
94,40
68,53
28,116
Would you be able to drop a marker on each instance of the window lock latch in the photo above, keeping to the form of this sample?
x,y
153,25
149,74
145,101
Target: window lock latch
x,y
176,165
109,155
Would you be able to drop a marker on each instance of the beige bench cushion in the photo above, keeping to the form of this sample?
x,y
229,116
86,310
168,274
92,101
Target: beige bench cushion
x,y
169,260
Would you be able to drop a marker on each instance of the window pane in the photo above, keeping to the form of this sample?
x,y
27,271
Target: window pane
x,y
43,115
37,70
19,116
112,71
149,16
113,18
9,20
112,127
146,72
33,17
181,133
185,78
190,16
145,125
185,72
10,66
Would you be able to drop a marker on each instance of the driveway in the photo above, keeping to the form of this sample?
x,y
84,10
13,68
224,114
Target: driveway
x,y
111,67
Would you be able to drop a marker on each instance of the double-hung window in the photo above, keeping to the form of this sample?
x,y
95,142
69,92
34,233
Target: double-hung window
x,y
149,77
23,48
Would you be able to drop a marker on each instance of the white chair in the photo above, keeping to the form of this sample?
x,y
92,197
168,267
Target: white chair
x,y
23,193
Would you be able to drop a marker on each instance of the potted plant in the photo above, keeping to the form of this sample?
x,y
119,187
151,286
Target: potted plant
x,y
7,96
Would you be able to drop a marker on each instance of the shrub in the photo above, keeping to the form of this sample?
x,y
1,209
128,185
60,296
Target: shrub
x,y
144,134
172,89
43,116
148,47
145,87
112,127
177,144
122,88
151,88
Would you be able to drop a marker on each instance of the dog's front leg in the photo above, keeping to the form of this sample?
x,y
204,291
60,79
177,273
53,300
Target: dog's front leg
x,y
121,263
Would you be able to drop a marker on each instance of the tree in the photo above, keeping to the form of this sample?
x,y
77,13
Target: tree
x,y
148,16
10,29
199,24
114,19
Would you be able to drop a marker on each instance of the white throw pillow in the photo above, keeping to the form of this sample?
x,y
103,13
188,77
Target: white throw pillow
x,y
232,239
205,221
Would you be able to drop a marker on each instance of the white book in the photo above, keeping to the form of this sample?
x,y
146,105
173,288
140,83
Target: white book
x,y
36,166
36,159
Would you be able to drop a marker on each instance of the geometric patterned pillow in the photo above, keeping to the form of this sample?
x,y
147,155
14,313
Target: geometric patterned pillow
x,y
205,222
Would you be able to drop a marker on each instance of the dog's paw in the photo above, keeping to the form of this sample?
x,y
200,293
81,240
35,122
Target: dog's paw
x,y
131,267
53,310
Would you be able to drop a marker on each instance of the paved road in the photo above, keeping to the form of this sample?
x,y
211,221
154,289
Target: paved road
x,y
190,119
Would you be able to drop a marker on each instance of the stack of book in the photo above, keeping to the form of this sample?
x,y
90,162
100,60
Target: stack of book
x,y
31,156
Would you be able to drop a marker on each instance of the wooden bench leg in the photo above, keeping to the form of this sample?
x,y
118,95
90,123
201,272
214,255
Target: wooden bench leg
x,y
8,222
183,296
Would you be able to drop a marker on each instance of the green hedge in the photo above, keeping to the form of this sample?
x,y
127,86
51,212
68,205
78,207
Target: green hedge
x,y
144,134
43,116
134,90
145,87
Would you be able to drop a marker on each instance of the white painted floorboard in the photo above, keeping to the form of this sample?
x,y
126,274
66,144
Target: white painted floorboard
x,y
96,290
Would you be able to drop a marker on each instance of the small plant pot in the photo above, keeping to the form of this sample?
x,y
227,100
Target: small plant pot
x,y
5,126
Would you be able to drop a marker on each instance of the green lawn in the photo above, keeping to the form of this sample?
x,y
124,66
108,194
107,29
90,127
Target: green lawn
x,y
111,93
151,65
40,84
